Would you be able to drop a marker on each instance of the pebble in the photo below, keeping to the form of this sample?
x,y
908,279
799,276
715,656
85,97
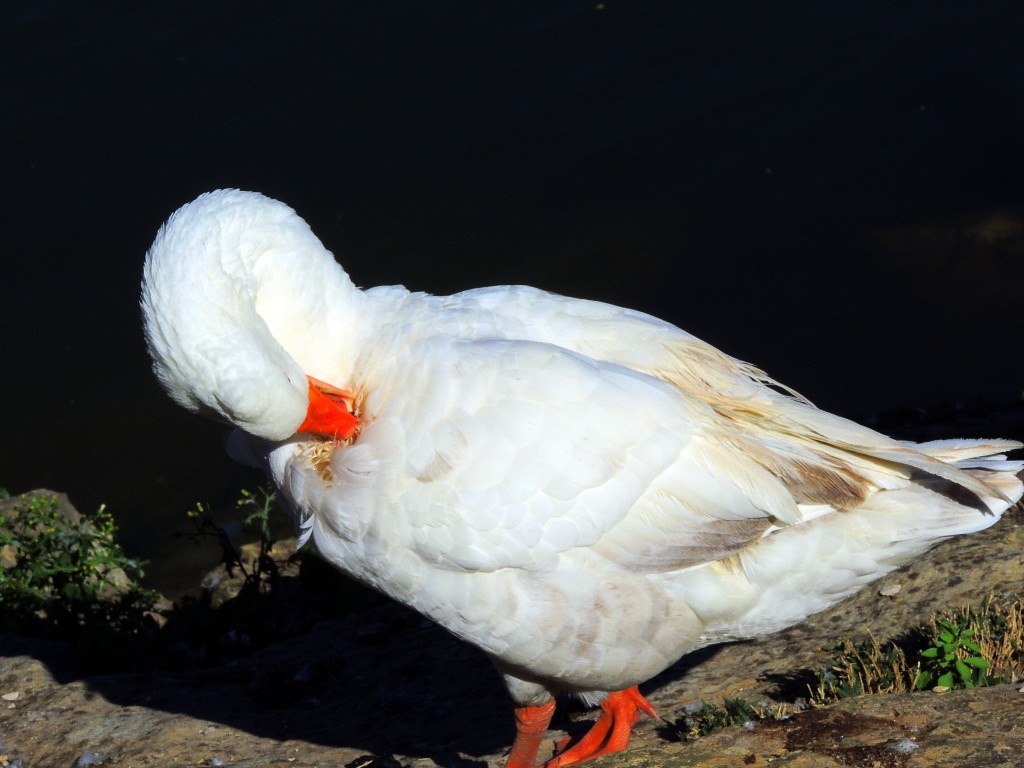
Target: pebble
x,y
904,746
90,758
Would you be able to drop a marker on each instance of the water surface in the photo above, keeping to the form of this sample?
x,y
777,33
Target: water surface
x,y
832,191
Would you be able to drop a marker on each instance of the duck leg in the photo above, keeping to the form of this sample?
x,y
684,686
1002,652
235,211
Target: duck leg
x,y
612,730
531,724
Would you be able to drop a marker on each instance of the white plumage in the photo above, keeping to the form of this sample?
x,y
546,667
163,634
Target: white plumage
x,y
584,492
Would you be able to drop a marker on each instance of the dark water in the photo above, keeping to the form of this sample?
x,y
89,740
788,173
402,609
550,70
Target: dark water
x,y
833,191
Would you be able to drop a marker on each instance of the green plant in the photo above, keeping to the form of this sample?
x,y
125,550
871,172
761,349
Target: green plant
x,y
952,659
259,505
66,575
248,603
256,505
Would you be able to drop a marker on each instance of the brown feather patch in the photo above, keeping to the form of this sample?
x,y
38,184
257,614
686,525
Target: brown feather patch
x,y
718,540
821,484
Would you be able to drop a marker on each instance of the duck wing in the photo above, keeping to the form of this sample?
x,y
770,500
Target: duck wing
x,y
822,458
514,452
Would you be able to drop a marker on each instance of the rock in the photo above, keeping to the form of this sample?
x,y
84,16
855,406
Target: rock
x,y
223,583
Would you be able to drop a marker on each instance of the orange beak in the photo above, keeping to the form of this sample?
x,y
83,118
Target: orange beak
x,y
328,413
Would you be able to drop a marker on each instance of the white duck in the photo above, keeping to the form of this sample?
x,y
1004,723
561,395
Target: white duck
x,y
583,492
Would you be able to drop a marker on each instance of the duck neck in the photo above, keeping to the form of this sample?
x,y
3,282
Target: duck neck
x,y
310,305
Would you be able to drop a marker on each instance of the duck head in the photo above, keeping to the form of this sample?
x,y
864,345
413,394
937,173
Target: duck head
x,y
236,297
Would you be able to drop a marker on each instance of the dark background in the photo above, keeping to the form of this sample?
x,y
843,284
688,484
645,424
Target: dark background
x,y
833,191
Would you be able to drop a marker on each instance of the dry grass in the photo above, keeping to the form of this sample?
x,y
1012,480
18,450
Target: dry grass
x,y
1000,633
996,634
318,453
864,667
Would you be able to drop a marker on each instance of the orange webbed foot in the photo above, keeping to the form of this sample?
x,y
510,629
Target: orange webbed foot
x,y
611,732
